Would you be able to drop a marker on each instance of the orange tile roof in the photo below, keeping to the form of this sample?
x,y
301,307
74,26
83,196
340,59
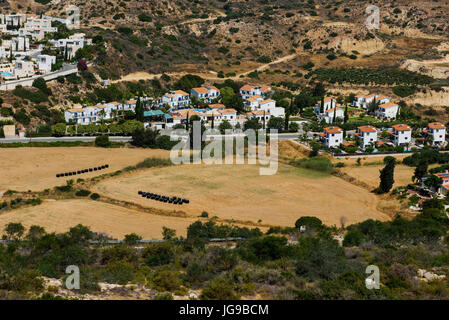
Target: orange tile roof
x,y
265,88
360,96
183,93
217,106
201,90
333,130
371,95
401,127
436,125
388,105
247,87
266,101
254,98
367,129
228,111
333,109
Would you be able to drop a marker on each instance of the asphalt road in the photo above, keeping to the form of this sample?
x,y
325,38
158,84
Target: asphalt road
x,y
282,137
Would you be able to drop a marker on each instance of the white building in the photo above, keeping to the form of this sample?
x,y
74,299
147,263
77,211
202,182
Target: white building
x,y
248,91
367,136
175,99
329,115
329,103
362,101
437,132
258,103
72,44
259,115
332,137
44,62
401,135
206,94
228,115
90,114
387,110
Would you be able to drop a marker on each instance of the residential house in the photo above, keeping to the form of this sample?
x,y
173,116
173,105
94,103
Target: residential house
x,y
401,135
332,137
228,115
329,103
387,110
71,45
44,62
259,115
257,103
367,136
437,133
362,101
248,91
206,94
330,114
444,189
175,99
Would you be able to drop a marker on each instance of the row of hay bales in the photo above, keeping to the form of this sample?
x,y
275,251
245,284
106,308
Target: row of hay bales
x,y
162,198
74,173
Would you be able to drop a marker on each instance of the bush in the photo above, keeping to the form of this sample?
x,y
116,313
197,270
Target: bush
x,y
102,141
309,222
82,193
219,289
95,196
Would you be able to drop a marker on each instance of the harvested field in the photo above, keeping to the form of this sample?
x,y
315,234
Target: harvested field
x,y
60,216
370,174
239,192
35,169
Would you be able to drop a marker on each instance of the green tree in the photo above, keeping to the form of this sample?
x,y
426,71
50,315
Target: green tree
x,y
276,123
59,129
421,170
102,141
139,110
224,125
387,175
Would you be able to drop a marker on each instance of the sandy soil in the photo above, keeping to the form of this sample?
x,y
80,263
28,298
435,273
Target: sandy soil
x,y
35,169
240,193
60,216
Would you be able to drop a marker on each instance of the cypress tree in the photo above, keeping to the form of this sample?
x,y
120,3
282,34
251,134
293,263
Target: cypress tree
x,y
387,175
139,110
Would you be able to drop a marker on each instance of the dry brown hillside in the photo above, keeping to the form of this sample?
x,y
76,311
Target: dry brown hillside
x,y
275,42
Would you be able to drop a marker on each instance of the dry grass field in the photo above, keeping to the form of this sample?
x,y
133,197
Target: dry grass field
x,y
370,174
60,216
35,169
240,193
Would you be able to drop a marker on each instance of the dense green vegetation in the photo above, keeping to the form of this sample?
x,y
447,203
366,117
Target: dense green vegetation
x,y
367,76
311,266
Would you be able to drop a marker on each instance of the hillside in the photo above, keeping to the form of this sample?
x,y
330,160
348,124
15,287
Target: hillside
x,y
289,44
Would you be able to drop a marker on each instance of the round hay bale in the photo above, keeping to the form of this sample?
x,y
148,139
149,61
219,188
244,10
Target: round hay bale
x,y
139,192
90,169
95,169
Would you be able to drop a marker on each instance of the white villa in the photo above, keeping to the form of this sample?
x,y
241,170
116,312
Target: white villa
x,y
206,94
332,137
329,103
72,44
387,110
362,101
44,62
401,135
85,115
175,99
17,70
248,91
367,136
258,103
437,132
329,114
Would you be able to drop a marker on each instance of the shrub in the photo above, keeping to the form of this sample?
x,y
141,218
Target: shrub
x,y
219,289
82,193
95,196
309,222
102,141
